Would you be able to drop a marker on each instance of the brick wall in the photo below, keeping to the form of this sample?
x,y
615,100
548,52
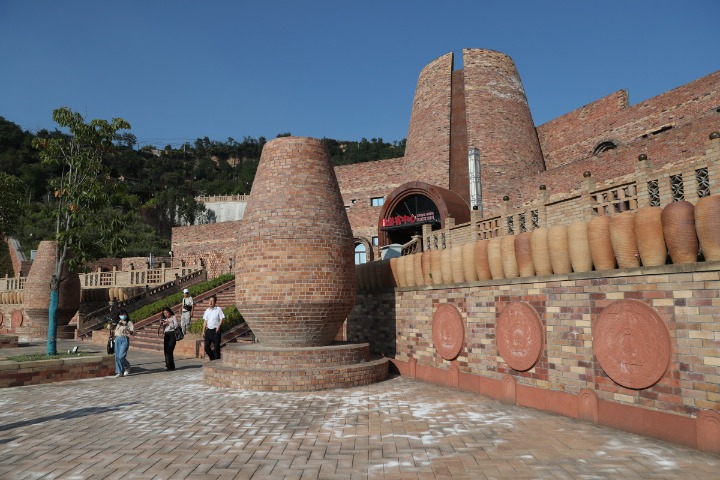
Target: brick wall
x,y
399,324
214,244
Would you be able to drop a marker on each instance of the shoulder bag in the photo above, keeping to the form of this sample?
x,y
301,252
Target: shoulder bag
x,y
179,335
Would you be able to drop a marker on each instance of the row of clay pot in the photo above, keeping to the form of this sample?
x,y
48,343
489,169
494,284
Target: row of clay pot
x,y
107,294
625,240
12,297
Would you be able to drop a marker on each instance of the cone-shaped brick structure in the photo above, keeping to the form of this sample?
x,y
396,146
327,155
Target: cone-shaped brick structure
x,y
296,275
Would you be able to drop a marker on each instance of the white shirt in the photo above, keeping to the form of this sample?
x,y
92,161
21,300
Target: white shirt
x,y
213,316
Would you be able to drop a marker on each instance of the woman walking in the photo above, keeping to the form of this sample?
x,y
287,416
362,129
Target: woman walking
x,y
123,329
168,324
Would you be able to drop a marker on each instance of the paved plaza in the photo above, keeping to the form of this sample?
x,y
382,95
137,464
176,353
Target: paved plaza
x,y
169,425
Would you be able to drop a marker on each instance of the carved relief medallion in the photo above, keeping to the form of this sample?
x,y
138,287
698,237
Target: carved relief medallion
x,y
16,318
448,331
632,344
519,336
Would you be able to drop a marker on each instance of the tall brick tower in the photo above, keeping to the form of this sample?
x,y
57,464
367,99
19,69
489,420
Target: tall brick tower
x,y
482,106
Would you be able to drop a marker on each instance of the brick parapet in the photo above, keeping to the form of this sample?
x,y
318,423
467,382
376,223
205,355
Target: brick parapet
x,y
17,374
213,244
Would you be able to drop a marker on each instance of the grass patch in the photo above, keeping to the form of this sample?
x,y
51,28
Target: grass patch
x,y
43,356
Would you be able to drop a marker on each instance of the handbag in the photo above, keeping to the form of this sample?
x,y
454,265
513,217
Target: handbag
x,y
179,335
111,346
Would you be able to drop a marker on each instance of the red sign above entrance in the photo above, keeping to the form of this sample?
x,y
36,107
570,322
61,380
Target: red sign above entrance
x,y
399,220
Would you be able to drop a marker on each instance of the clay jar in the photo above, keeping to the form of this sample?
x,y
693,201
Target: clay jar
x,y
295,281
456,260
446,266
649,236
394,272
540,252
580,257
482,267
425,267
409,265
436,267
678,224
417,268
707,225
509,261
523,254
601,250
468,255
559,249
622,236
495,258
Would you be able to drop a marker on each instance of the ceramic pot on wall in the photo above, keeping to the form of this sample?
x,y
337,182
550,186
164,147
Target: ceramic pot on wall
x,y
707,225
456,259
425,268
509,261
359,280
446,266
580,257
370,278
295,282
402,271
394,272
495,260
649,236
601,250
540,252
468,256
436,267
559,249
383,274
678,224
622,236
409,264
417,267
523,254
482,267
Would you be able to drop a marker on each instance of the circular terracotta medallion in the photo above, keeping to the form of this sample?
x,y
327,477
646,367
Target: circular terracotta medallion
x,y
632,344
1,318
16,318
448,331
519,334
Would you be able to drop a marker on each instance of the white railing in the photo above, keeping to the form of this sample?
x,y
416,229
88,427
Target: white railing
x,y
133,278
8,284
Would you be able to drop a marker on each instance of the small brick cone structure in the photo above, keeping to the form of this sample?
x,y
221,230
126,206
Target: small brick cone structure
x,y
36,297
295,281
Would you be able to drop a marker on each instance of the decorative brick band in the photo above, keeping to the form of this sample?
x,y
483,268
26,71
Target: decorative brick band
x,y
17,374
259,356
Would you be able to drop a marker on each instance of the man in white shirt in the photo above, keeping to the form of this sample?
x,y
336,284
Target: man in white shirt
x,y
212,319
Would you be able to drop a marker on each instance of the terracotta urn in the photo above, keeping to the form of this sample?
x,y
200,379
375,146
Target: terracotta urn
x,y
436,267
456,261
446,266
417,268
509,261
580,257
707,225
678,224
559,249
394,271
495,261
295,282
622,236
425,267
402,271
523,254
649,236
482,267
540,251
601,250
468,255
371,278
409,264
360,277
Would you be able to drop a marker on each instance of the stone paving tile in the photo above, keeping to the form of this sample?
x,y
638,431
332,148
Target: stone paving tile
x,y
159,425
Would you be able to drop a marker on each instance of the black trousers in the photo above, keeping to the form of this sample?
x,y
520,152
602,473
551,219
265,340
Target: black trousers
x,y
169,348
212,339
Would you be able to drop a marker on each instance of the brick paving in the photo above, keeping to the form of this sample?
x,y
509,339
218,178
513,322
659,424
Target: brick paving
x,y
159,425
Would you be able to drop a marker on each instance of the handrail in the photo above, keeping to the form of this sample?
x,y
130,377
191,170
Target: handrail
x,y
133,278
90,321
8,284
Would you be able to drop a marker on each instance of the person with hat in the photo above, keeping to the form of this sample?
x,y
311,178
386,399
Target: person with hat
x,y
186,311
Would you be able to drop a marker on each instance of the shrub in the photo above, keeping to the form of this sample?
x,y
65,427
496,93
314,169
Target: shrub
x,y
232,318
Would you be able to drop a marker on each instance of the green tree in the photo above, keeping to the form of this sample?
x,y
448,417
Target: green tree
x,y
10,187
81,233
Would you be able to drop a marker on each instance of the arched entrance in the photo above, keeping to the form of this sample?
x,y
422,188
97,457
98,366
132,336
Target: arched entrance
x,y
414,204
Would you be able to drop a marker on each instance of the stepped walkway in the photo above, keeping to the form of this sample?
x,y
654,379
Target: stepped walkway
x,y
169,425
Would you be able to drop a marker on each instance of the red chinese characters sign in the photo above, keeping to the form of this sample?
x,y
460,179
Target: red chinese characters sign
x,y
399,220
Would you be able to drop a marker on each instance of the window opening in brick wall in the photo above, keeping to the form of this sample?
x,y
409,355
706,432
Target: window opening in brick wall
x,y
510,226
521,222
662,129
375,241
360,254
377,201
616,200
489,229
535,219
653,193
703,182
604,147
677,188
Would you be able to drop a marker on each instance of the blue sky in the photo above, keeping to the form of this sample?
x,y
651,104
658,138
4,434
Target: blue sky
x,y
180,69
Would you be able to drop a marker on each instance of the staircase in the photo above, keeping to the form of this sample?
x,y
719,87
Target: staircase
x,y
146,337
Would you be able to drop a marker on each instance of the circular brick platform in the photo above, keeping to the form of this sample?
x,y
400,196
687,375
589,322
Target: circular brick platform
x,y
272,369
